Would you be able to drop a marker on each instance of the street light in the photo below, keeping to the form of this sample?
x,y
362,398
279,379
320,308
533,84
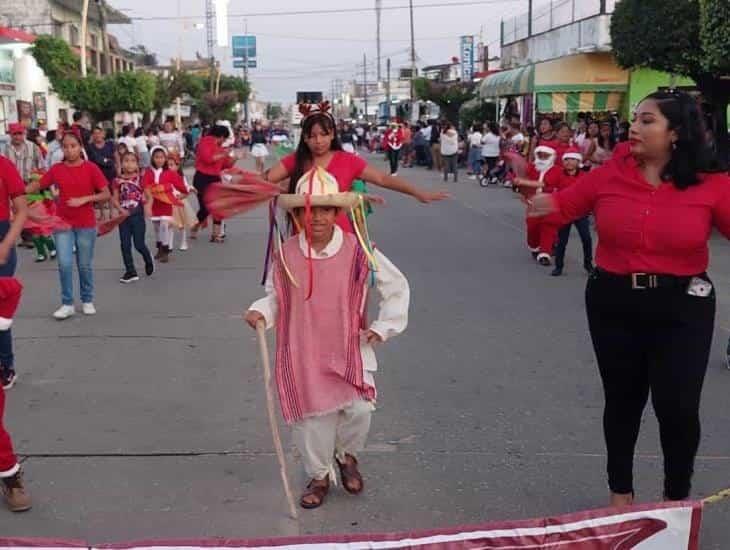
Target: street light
x,y
185,26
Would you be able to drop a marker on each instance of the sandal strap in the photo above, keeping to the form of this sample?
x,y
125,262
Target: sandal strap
x,y
350,472
317,490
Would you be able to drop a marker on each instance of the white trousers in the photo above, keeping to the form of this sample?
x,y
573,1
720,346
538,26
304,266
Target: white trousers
x,y
319,439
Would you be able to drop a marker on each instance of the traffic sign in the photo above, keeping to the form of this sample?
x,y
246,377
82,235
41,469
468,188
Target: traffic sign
x,y
240,63
244,46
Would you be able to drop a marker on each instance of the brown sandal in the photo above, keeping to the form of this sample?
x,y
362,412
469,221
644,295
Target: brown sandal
x,y
349,473
317,488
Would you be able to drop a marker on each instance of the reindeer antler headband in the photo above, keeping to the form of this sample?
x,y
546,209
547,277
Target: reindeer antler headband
x,y
321,108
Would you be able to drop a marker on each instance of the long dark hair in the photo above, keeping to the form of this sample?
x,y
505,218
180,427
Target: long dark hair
x,y
303,156
603,143
691,154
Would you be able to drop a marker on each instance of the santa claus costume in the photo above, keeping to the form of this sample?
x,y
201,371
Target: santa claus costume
x,y
542,177
325,363
161,183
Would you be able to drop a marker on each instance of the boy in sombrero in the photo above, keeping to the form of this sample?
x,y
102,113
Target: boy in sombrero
x,y
317,299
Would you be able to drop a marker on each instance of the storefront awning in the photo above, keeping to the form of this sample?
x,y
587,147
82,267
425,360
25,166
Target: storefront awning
x,y
574,102
594,72
518,81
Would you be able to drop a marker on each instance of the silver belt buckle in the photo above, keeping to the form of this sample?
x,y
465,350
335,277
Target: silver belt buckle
x,y
650,283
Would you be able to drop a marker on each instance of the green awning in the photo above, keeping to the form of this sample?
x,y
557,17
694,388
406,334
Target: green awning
x,y
520,81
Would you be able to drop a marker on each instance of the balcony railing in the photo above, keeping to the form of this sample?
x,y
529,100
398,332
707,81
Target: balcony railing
x,y
552,15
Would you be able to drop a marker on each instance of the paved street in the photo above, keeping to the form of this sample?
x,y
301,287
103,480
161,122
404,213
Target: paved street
x,y
149,420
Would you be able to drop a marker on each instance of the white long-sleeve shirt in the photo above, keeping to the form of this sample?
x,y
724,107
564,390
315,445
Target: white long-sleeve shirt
x,y
390,283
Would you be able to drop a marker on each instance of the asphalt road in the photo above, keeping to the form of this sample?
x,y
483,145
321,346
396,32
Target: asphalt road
x,y
149,421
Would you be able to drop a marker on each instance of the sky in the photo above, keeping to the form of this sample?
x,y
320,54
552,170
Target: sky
x,y
310,51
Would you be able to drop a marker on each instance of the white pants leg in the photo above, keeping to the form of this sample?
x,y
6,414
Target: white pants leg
x,y
352,429
319,438
156,227
164,232
171,238
183,238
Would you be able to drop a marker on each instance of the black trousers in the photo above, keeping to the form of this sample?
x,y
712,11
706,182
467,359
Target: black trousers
x,y
657,341
201,182
393,156
133,229
583,226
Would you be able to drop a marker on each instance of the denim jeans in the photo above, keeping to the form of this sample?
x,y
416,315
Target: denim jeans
x,y
7,359
583,225
133,228
84,239
475,160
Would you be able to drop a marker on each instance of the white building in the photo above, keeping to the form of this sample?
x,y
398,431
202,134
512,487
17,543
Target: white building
x,y
24,86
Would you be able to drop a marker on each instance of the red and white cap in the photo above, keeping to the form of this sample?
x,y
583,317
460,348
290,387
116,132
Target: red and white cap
x,y
545,149
16,128
573,153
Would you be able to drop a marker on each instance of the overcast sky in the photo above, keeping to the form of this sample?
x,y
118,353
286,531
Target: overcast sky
x,y
307,52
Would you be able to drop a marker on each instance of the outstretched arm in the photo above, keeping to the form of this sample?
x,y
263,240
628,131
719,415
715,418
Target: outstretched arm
x,y
394,183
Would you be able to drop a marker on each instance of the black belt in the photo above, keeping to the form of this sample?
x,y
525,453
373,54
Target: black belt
x,y
646,281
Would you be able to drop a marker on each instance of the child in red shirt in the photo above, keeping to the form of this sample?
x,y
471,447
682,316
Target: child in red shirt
x,y
572,160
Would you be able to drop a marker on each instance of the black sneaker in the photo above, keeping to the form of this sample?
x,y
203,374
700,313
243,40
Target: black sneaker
x,y
149,268
129,277
8,378
557,272
589,267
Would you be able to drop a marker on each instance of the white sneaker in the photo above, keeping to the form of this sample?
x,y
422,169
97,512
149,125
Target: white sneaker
x,y
472,177
5,323
64,312
88,309
184,246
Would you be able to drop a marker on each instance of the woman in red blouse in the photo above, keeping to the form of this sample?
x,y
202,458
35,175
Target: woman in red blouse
x,y
211,158
320,146
650,303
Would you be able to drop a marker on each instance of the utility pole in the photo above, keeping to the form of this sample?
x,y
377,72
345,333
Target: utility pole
x,y
413,51
210,37
104,37
245,68
378,10
529,18
365,83
387,89
84,26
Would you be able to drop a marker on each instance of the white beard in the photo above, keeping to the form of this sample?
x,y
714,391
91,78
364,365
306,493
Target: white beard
x,y
544,165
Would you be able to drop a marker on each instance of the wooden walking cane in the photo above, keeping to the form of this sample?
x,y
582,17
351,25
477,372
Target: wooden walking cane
x,y
264,351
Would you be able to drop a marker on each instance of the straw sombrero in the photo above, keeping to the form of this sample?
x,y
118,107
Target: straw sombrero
x,y
317,187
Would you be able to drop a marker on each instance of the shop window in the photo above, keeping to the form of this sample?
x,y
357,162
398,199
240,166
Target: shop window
x,y
75,40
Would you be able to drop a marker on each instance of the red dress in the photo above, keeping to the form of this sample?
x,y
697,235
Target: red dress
x,y
163,183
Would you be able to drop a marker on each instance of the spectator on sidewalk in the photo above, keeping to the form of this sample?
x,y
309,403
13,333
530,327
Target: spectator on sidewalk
x,y
435,141
475,151
449,150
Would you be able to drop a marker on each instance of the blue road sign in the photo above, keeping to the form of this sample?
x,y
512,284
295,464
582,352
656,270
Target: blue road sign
x,y
244,46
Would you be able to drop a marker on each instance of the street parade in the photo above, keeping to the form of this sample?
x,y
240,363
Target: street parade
x,y
246,302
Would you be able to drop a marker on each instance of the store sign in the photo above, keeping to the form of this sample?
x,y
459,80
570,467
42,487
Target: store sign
x,y
244,46
241,63
467,58
40,107
7,73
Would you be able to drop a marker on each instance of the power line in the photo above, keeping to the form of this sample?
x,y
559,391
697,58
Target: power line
x,y
461,3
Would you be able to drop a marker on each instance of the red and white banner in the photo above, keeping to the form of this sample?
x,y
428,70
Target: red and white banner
x,y
670,526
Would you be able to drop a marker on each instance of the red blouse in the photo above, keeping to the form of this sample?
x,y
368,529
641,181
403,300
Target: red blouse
x,y
168,181
345,168
11,186
204,163
647,229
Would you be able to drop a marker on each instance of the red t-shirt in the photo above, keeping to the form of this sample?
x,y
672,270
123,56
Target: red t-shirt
x,y
344,167
76,181
647,229
11,186
566,180
204,163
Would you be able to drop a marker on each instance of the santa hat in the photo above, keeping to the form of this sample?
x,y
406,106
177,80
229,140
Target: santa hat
x,y
545,149
573,153
16,128
158,148
317,187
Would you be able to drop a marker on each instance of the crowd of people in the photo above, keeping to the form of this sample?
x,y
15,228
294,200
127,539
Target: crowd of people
x,y
655,197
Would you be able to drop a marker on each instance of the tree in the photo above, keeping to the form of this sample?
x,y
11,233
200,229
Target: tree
x,y
448,96
214,107
101,97
686,37
477,114
273,111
